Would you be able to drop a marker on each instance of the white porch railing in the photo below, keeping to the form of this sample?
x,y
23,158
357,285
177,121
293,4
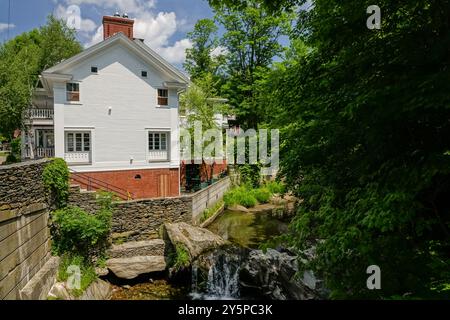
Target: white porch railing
x,y
78,157
45,152
41,113
153,156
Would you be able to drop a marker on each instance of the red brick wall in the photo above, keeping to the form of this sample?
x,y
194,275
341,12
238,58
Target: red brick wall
x,y
205,170
153,183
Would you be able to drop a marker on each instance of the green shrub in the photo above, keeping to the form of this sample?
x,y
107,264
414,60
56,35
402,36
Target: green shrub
x,y
262,195
105,199
276,187
15,155
56,180
88,274
78,232
250,174
180,259
241,195
247,200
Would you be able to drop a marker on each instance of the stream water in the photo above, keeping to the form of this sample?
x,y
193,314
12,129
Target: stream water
x,y
246,231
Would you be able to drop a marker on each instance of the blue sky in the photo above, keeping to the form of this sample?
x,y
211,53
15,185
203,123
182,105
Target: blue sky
x,y
162,23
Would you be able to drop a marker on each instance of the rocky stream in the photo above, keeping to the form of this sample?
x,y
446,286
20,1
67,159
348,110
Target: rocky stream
x,y
232,269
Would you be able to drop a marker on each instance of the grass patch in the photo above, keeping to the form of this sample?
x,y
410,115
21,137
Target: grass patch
x,y
276,187
180,259
262,195
68,268
240,196
208,213
247,196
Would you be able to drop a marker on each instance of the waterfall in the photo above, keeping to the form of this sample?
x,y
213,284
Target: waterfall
x,y
221,280
194,287
223,277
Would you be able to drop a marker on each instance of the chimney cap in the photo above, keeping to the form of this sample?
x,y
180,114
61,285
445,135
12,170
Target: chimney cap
x,y
125,15
117,14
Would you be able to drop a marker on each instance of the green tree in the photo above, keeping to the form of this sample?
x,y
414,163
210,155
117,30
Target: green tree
x,y
272,5
364,117
22,59
200,59
200,104
251,38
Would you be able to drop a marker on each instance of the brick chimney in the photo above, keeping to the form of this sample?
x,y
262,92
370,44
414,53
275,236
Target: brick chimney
x,y
115,24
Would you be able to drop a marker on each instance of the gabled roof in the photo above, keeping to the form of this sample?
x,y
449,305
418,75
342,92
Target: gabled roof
x,y
136,46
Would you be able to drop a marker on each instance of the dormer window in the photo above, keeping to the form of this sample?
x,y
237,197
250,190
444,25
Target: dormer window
x,y
163,97
144,74
73,92
94,69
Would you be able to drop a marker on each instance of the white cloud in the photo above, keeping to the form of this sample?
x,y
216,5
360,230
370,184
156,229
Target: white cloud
x,y
4,26
157,29
177,52
96,38
123,6
86,26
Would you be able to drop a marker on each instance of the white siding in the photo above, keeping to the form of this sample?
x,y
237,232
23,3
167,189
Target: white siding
x,y
119,107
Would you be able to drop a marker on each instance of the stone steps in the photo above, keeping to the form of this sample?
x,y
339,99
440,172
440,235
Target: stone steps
x,y
130,268
130,259
154,247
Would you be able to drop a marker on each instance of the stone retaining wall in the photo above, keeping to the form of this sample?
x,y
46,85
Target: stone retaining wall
x,y
24,233
141,219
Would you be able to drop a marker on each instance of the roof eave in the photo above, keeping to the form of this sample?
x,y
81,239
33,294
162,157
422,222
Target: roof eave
x,y
138,46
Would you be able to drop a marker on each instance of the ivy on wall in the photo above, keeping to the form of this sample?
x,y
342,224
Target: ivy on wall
x,y
56,180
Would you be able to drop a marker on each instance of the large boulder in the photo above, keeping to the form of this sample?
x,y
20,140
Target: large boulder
x,y
137,248
196,240
272,275
98,290
130,268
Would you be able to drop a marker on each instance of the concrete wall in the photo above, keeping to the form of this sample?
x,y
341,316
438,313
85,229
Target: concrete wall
x,y
24,233
208,197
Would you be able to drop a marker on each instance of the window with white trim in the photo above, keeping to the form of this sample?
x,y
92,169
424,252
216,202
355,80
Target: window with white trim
x,y
78,142
73,91
157,141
